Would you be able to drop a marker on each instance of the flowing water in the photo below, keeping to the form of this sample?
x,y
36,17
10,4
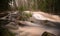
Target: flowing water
x,y
26,28
43,22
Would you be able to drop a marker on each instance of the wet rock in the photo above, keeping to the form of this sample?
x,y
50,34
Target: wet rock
x,y
48,34
3,22
3,30
12,25
22,25
3,14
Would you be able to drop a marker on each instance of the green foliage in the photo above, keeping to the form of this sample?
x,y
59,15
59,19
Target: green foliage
x,y
45,5
25,16
5,32
50,6
22,8
4,5
42,5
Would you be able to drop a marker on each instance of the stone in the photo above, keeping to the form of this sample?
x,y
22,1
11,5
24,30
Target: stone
x,y
48,34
